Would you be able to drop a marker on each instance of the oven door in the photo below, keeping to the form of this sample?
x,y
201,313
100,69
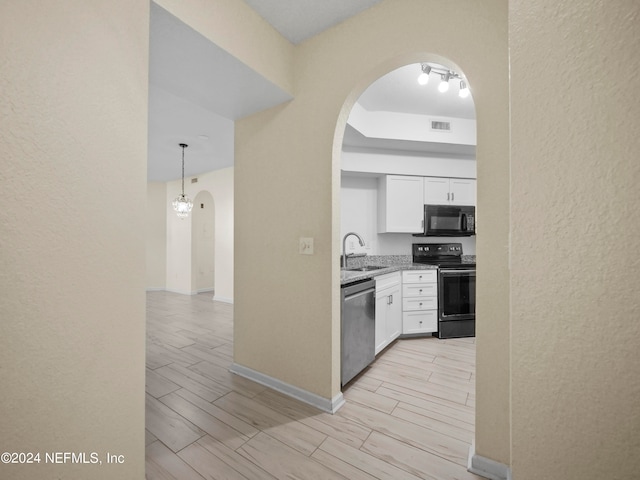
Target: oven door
x,y
456,303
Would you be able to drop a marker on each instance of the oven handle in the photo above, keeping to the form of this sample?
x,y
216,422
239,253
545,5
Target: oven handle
x,y
450,270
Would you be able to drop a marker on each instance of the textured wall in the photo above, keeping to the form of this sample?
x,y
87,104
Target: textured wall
x,y
575,302
74,142
287,318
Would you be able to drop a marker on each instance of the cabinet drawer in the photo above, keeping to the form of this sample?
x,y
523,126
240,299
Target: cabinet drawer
x,y
420,276
387,280
420,322
420,290
420,303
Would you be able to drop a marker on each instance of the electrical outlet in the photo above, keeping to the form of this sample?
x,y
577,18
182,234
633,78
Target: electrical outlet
x,y
305,246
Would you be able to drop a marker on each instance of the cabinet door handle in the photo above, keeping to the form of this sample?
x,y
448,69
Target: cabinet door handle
x,y
448,195
452,195
390,299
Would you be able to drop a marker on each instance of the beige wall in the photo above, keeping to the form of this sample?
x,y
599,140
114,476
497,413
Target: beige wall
x,y
287,160
575,304
80,133
156,250
73,173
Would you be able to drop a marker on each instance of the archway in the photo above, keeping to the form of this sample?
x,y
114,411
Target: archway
x,y
410,156
203,243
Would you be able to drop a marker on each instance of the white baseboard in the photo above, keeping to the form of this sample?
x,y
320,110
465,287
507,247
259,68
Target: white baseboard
x,y
217,298
325,404
181,292
485,467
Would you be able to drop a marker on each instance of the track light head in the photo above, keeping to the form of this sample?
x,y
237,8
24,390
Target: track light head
x,y
464,90
444,83
423,79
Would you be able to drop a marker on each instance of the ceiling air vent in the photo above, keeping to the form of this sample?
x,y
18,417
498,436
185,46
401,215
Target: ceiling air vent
x,y
194,180
440,126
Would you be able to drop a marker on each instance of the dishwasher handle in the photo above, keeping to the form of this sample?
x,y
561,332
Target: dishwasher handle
x,y
359,294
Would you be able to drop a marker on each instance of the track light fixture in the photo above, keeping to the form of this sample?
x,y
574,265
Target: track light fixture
x,y
445,76
423,79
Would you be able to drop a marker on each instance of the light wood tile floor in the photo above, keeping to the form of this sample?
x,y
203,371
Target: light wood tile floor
x,y
410,415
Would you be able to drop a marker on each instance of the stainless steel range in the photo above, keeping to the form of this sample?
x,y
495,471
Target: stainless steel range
x,y
456,288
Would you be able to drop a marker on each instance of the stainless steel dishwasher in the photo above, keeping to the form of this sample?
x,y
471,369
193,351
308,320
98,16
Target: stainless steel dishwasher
x,y
358,328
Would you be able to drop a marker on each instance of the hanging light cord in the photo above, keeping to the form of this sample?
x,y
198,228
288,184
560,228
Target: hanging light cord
x,y
183,145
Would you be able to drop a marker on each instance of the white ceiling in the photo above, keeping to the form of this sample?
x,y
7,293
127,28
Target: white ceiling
x,y
298,20
399,91
197,90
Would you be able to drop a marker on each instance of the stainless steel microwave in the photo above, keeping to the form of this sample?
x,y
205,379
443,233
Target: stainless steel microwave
x,y
448,221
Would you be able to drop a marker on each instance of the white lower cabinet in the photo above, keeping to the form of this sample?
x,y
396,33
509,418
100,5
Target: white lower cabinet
x,y
419,301
388,309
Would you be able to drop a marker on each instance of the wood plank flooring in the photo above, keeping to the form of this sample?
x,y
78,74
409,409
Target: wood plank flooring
x,y
410,415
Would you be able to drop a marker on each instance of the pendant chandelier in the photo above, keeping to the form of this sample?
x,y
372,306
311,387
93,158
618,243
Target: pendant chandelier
x,y
182,204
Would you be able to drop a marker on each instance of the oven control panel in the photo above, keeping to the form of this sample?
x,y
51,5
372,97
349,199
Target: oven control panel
x,y
435,250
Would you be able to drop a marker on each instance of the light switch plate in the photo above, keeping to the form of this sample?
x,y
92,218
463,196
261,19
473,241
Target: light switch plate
x,y
305,247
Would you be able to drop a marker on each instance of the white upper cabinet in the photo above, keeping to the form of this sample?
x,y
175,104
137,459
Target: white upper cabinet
x,y
436,191
449,191
463,191
400,204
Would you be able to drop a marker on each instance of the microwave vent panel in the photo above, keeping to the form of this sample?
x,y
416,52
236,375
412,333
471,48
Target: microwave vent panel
x,y
440,126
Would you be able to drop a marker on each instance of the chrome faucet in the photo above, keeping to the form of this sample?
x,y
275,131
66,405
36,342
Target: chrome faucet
x,y
344,247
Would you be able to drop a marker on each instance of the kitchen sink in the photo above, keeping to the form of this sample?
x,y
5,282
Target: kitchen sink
x,y
366,268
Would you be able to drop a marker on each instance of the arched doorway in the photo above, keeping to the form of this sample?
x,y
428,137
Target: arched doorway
x,y
203,243
373,141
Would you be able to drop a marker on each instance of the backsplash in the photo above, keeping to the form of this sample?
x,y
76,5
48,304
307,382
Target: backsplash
x,y
362,260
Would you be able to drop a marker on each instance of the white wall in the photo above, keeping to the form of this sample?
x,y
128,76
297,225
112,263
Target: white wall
x,y
180,269
203,245
406,163
358,213
412,127
156,249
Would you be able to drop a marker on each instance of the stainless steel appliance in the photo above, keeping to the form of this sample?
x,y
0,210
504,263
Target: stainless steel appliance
x,y
456,288
358,328
448,221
